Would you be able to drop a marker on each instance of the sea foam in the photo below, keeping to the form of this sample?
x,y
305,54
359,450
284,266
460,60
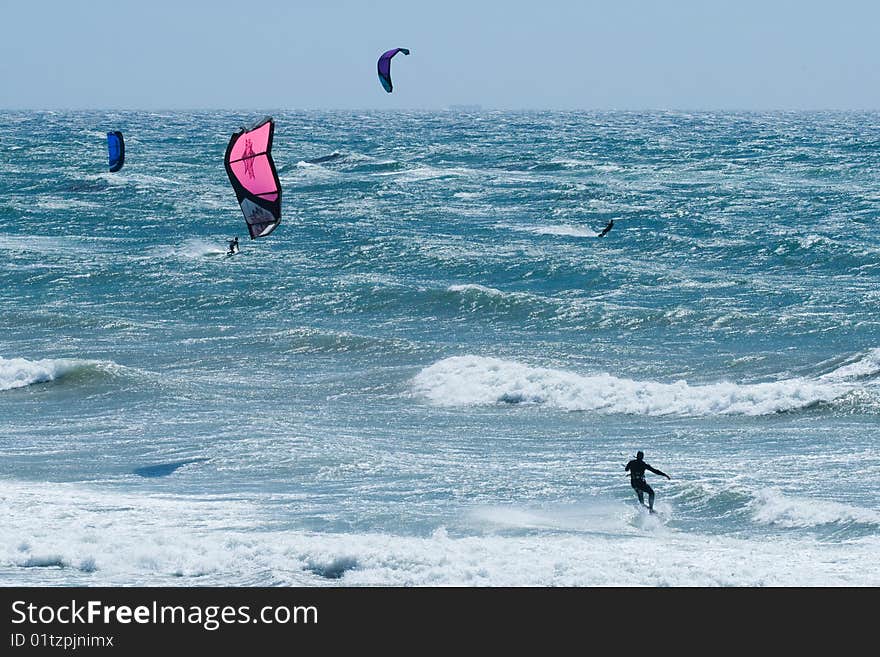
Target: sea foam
x,y
477,380
20,372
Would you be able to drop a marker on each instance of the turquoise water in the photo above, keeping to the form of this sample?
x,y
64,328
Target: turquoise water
x,y
433,372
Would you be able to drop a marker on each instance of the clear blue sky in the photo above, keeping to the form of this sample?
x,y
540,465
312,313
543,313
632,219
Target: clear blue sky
x,y
589,54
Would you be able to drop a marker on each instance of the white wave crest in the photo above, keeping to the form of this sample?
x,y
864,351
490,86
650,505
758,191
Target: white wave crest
x,y
564,230
20,372
865,366
476,380
474,287
74,535
771,507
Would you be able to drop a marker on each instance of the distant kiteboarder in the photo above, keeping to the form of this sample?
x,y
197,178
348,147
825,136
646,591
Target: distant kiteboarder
x,y
233,246
636,468
607,228
384,67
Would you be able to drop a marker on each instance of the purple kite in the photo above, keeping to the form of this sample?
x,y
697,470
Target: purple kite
x,y
385,66
253,176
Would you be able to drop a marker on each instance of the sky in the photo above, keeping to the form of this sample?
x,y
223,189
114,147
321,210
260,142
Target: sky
x,y
504,54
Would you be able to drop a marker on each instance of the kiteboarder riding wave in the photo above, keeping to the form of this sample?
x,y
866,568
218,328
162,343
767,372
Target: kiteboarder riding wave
x,y
636,469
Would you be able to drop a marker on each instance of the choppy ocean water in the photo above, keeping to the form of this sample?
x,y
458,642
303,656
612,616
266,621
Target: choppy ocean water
x,y
433,371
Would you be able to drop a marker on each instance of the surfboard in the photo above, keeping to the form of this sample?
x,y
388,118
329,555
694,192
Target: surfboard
x,y
641,507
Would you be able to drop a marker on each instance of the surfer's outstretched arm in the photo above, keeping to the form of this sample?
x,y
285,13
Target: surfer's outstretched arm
x,y
655,471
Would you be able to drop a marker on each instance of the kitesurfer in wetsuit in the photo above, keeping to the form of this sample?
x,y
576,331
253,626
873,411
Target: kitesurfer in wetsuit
x,y
607,228
233,246
636,469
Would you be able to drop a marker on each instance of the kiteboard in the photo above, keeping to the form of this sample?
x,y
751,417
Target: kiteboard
x,y
651,513
643,518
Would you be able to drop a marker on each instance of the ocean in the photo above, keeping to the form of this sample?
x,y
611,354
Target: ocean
x,y
433,372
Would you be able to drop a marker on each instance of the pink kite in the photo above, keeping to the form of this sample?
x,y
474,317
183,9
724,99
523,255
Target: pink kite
x,y
252,173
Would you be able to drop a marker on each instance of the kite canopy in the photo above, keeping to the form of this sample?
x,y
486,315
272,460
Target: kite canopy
x,y
253,176
115,150
385,67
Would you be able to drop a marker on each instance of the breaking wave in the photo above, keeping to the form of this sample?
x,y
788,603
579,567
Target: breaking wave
x,y
20,372
477,380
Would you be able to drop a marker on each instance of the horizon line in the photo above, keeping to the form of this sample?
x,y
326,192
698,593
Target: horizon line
x,y
459,107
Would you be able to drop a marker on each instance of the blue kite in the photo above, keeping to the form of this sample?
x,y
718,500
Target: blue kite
x,y
385,66
115,150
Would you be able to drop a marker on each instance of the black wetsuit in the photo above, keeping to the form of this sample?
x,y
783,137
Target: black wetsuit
x,y
607,228
233,246
636,469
